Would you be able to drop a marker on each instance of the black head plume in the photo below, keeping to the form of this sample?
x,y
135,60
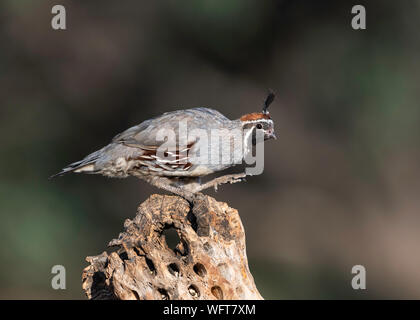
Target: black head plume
x,y
268,101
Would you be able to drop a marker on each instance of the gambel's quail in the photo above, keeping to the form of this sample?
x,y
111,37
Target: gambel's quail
x,y
174,150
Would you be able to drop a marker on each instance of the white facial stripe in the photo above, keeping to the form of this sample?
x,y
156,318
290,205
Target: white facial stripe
x,y
258,121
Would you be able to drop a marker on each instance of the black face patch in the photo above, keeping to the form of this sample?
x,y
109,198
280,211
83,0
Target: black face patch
x,y
266,126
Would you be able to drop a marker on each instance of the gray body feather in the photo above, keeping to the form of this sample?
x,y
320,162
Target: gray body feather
x,y
134,151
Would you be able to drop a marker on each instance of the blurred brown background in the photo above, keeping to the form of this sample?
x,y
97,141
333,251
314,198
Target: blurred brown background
x,y
341,184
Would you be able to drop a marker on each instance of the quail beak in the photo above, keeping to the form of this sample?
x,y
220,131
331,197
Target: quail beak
x,y
272,135
269,136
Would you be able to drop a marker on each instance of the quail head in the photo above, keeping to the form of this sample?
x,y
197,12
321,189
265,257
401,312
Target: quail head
x,y
172,151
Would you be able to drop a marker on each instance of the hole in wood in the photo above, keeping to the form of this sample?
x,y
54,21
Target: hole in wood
x,y
163,294
123,256
173,269
99,284
136,295
193,220
136,250
98,278
151,265
217,292
171,237
200,269
193,290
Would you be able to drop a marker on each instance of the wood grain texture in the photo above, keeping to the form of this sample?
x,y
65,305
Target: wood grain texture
x,y
208,261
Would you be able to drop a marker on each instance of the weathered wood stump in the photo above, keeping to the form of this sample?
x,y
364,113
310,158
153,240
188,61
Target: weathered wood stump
x,y
209,261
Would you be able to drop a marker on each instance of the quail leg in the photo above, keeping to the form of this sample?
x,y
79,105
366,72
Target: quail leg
x,y
188,183
166,184
230,178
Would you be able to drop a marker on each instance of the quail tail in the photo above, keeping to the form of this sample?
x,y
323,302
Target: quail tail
x,y
87,165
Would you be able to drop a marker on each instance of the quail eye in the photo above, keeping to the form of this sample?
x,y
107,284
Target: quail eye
x,y
259,126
